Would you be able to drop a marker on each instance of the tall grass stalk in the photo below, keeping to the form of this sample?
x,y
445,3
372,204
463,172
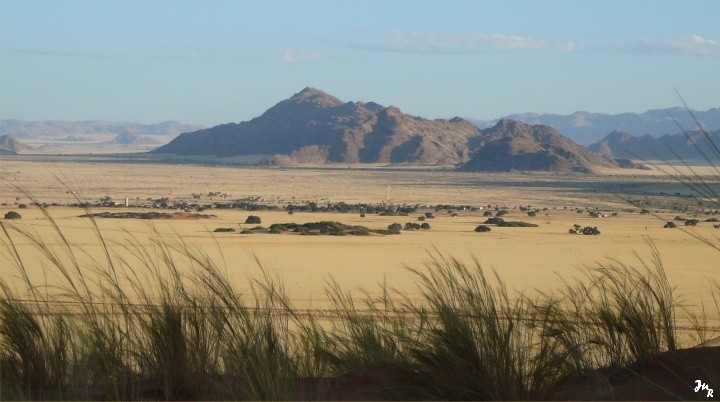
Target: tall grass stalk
x,y
161,319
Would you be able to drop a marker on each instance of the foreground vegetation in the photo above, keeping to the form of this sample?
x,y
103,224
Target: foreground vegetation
x,y
164,321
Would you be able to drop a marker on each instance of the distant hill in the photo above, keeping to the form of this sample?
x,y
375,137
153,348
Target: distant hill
x,y
11,146
131,139
668,147
35,129
513,145
315,127
587,128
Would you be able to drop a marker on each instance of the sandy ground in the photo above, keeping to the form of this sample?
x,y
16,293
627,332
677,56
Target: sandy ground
x,y
525,258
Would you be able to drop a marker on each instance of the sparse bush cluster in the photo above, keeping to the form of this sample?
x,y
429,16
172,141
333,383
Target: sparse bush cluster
x,y
482,228
587,230
385,210
319,228
500,222
146,215
416,226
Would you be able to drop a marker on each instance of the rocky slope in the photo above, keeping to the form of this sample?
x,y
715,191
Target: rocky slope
x,y
11,146
315,127
513,145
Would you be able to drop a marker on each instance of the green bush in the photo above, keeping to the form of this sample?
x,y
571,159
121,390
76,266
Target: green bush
x,y
670,225
425,226
253,219
482,228
12,215
587,230
394,227
517,224
412,226
222,230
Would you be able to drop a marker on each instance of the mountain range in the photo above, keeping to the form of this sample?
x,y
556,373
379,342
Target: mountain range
x,y
693,145
587,128
53,129
315,127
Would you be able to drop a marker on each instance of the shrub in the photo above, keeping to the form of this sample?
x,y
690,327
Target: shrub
x,y
22,206
429,215
502,212
494,221
644,211
221,230
12,215
253,219
670,225
517,224
482,228
691,222
362,215
421,218
425,226
394,227
246,231
531,213
587,230
487,213
412,226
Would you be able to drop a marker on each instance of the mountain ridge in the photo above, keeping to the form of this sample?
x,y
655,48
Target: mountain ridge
x,y
314,127
325,129
60,128
693,145
587,127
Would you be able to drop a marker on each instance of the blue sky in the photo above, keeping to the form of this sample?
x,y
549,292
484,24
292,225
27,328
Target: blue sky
x,y
212,62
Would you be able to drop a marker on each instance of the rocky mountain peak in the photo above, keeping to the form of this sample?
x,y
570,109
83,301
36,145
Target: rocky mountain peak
x,y
316,96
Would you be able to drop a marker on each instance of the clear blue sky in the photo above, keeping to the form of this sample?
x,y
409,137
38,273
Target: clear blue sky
x,y
212,62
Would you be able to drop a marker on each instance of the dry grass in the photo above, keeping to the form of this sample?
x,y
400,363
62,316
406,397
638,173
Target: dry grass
x,y
161,320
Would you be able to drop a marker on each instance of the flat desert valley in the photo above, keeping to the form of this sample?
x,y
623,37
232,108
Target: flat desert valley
x,y
526,258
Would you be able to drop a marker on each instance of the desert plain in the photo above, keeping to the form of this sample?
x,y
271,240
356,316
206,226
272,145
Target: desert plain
x,y
526,258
